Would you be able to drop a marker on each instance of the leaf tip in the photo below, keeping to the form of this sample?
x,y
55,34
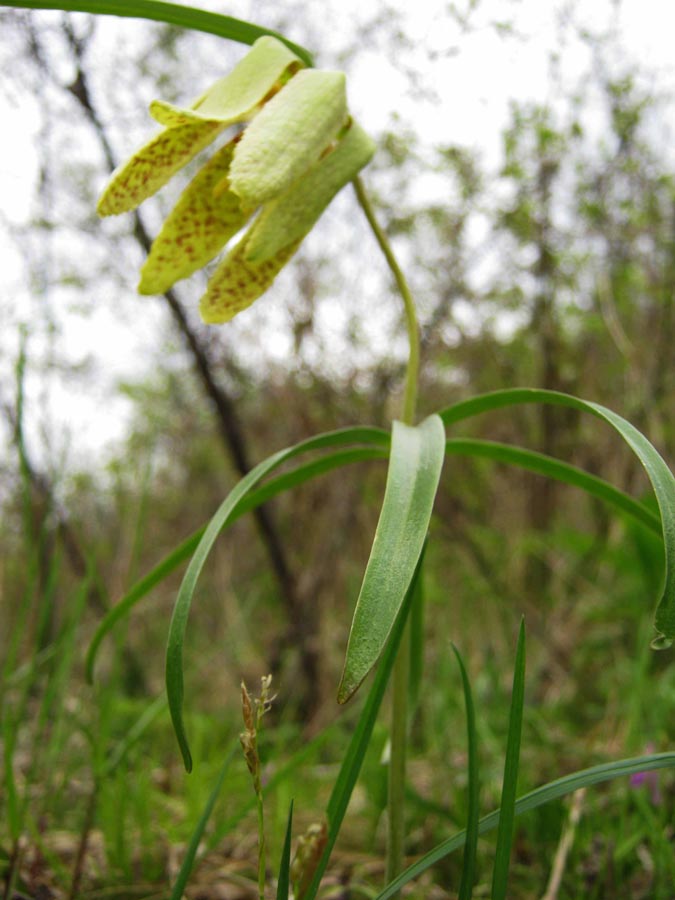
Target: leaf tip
x,y
346,691
184,747
92,654
661,642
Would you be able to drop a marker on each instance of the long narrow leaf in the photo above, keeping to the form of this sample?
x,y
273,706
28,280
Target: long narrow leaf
x,y
133,735
507,809
518,456
358,745
534,799
172,13
658,472
415,464
471,843
12,805
554,468
177,628
193,846
309,470
142,587
303,473
284,880
417,646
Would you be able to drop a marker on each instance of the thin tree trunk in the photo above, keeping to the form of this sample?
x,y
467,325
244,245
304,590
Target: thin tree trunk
x,y
229,426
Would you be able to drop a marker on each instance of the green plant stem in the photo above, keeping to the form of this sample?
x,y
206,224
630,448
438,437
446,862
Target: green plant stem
x,y
412,372
261,842
401,674
397,761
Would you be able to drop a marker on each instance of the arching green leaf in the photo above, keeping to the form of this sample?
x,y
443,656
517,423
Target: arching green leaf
x,y
173,14
658,472
415,466
378,450
527,459
177,628
568,784
554,468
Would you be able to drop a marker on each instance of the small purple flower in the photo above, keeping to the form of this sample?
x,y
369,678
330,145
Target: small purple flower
x,y
650,780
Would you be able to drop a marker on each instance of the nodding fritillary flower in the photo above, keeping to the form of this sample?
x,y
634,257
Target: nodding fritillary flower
x,y
299,148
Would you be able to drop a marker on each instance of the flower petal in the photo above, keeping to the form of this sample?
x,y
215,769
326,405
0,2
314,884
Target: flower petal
x,y
153,165
236,283
292,215
236,96
267,66
288,135
249,270
197,228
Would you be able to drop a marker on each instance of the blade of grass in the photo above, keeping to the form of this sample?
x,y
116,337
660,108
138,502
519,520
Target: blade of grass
x,y
189,17
379,441
284,880
51,719
417,644
47,714
415,464
142,587
659,474
133,735
471,843
28,669
568,784
558,470
358,745
500,874
11,804
193,846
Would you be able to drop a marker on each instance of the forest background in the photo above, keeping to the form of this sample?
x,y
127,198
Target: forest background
x,y
543,255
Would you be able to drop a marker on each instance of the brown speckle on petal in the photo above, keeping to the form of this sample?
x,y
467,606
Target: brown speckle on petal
x,y
236,283
196,230
154,164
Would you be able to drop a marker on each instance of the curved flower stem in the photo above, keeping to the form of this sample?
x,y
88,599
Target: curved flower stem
x,y
399,724
412,372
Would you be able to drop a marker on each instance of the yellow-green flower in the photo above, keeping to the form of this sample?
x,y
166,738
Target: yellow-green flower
x,y
299,148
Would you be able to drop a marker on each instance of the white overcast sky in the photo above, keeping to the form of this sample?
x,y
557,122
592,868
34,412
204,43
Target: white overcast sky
x,y
473,85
